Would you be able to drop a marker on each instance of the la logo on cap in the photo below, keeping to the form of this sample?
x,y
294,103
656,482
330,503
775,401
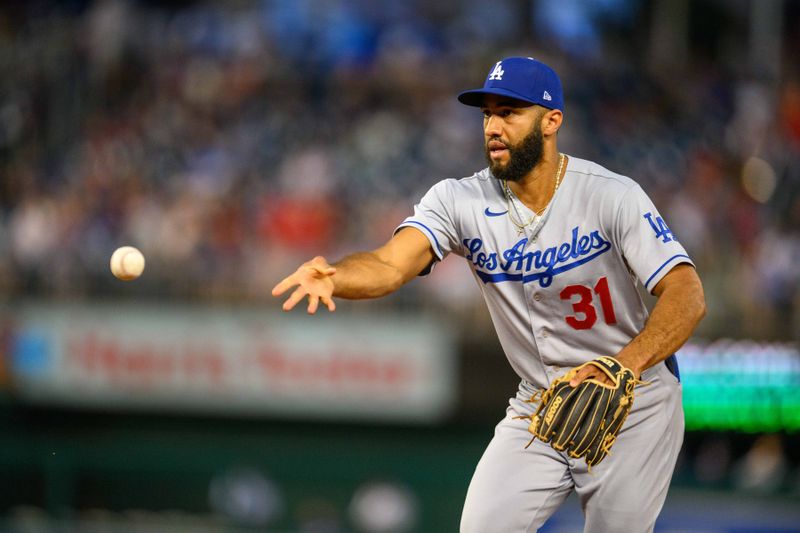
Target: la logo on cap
x,y
497,73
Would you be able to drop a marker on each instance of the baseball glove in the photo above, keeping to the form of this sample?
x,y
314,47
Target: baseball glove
x,y
584,421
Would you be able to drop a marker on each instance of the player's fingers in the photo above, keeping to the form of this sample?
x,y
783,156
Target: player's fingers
x,y
583,374
284,285
313,303
602,378
328,302
327,271
589,373
296,296
317,273
321,265
320,271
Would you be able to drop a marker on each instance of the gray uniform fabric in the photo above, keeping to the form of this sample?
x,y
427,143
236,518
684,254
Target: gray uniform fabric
x,y
561,292
517,489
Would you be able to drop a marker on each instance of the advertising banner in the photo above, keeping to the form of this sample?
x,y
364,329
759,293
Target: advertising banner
x,y
234,361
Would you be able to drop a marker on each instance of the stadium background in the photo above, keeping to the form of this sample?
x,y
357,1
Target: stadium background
x,y
231,141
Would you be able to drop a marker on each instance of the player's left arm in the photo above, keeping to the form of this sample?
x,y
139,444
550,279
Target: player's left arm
x,y
679,308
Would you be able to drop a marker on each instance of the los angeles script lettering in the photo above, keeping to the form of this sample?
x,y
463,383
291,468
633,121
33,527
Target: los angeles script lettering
x,y
545,263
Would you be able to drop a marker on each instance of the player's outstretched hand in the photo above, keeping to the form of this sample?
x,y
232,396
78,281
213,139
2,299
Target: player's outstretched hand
x,y
313,279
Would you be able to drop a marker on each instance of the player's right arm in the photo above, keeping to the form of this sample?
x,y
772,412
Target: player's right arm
x,y
360,275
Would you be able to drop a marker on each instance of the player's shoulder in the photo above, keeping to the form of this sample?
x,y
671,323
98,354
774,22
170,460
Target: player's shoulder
x,y
597,178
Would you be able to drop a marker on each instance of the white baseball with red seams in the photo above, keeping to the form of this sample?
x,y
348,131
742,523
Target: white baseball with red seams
x,y
563,291
127,263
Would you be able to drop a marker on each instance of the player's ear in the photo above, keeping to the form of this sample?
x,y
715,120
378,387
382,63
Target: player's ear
x,y
551,121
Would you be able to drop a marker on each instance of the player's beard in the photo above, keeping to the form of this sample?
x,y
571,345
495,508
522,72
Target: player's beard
x,y
522,157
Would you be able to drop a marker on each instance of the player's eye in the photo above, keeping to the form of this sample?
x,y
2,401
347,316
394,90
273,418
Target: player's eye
x,y
502,113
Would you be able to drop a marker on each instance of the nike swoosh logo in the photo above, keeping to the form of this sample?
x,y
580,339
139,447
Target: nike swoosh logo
x,y
490,213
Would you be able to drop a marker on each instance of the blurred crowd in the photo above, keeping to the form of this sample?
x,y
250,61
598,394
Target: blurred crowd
x,y
231,143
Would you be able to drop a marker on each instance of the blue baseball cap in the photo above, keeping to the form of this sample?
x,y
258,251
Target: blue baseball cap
x,y
523,78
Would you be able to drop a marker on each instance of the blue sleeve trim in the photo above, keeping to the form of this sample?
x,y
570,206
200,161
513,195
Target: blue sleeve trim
x,y
672,365
668,261
430,232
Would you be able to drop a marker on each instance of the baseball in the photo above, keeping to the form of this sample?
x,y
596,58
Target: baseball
x,y
127,263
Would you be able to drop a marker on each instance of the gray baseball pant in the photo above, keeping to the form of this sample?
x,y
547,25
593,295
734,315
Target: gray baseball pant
x,y
515,489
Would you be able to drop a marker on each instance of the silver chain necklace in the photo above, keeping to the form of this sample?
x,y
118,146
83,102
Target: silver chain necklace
x,y
537,216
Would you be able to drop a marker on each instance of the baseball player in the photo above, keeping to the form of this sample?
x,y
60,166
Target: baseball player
x,y
557,246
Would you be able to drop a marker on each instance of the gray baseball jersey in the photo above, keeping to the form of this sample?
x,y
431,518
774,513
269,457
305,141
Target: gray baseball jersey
x,y
562,290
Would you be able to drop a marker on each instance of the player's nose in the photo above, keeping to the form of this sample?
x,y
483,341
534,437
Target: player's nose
x,y
492,126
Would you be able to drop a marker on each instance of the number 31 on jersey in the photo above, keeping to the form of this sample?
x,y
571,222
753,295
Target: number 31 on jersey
x,y
584,307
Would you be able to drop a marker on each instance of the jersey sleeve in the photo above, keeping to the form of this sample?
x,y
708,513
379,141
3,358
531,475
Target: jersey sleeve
x,y
648,245
434,216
